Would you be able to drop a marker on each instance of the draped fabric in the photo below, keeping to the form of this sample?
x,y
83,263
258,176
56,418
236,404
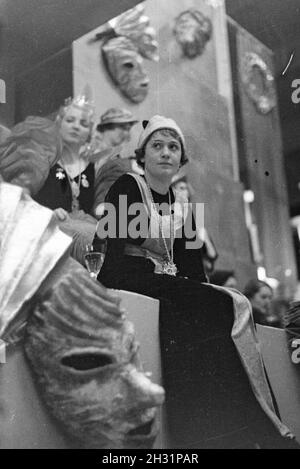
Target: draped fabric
x,y
31,246
28,153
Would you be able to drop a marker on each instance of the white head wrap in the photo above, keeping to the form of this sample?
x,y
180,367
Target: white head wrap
x,y
158,122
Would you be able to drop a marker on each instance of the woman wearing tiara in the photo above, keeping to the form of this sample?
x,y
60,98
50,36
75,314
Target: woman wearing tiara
x,y
208,345
70,184
60,152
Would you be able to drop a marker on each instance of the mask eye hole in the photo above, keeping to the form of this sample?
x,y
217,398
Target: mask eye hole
x,y
128,65
86,361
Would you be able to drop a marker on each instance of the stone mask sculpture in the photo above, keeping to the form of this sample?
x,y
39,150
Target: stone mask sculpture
x,y
192,31
78,341
127,40
126,68
85,358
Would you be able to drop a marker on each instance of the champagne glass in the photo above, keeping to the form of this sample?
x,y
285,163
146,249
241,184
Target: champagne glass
x,y
94,261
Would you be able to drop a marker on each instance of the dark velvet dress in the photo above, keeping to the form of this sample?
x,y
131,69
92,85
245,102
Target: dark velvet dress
x,y
56,192
209,401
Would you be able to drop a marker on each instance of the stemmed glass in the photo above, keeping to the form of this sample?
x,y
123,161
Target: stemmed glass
x,y
93,261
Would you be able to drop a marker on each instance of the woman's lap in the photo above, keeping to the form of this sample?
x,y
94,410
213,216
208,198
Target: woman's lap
x,y
208,395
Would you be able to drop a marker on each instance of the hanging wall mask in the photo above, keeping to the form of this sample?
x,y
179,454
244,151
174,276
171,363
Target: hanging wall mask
x,y
192,31
258,81
126,41
126,68
85,357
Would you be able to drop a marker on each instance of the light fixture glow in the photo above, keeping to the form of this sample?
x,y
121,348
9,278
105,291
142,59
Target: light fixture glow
x,y
249,196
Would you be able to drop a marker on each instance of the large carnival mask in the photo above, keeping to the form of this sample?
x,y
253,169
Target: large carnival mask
x,y
84,354
126,41
126,68
192,31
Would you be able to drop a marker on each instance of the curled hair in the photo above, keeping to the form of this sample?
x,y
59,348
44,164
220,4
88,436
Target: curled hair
x,y
140,152
63,110
253,286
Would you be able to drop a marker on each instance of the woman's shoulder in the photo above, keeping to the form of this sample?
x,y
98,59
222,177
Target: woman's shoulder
x,y
126,180
127,185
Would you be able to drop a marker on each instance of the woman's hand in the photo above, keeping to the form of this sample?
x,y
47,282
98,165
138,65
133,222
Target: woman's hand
x,y
61,214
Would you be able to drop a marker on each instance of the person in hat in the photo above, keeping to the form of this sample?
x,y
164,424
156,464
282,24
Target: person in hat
x,y
111,133
210,402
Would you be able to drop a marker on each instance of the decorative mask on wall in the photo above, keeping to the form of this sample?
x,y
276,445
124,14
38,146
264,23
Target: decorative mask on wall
x,y
126,68
258,82
192,31
85,357
126,40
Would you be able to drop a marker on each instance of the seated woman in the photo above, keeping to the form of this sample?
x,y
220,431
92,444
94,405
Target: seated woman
x,y
68,187
209,400
260,295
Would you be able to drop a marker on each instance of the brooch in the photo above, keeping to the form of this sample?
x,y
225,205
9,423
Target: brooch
x,y
84,182
60,174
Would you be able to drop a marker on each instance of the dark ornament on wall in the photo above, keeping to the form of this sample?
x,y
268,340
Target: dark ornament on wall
x,y
126,41
192,31
258,82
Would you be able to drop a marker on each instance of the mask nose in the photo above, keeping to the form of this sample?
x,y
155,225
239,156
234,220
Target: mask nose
x,y
146,393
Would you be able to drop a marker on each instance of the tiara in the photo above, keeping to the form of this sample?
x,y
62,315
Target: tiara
x,y
82,102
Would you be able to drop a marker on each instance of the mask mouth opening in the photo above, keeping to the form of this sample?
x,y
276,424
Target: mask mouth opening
x,y
142,430
87,360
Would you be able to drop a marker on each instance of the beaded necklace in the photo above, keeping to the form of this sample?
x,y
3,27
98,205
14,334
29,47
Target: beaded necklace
x,y
169,267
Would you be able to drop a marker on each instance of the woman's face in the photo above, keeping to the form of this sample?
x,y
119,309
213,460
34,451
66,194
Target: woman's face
x,y
182,188
262,299
162,155
120,134
75,126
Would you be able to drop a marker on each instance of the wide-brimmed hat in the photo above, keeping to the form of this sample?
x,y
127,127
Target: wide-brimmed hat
x,y
116,115
158,122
